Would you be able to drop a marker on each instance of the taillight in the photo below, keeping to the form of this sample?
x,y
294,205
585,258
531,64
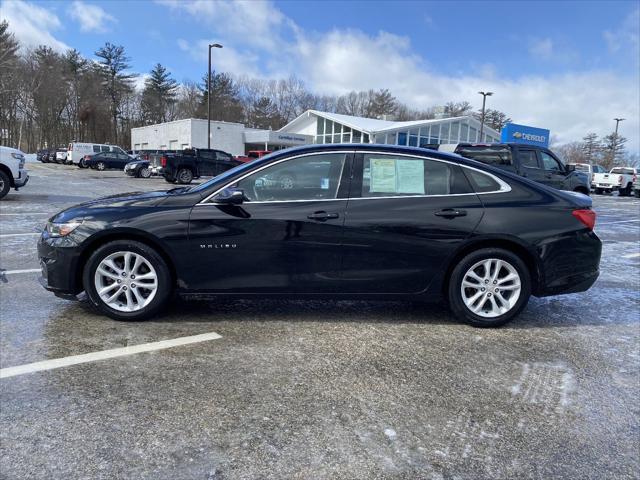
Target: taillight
x,y
587,217
163,161
620,179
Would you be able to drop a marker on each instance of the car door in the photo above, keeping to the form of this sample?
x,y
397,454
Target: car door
x,y
530,165
554,171
405,216
223,163
285,237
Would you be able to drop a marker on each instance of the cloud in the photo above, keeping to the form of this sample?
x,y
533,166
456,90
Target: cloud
x,y
90,18
32,25
626,38
541,48
571,104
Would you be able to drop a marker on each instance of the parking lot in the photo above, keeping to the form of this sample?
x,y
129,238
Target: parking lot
x,y
313,389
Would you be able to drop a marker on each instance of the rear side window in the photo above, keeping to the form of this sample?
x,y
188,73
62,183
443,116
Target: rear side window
x,y
481,182
96,148
105,148
222,156
497,155
388,175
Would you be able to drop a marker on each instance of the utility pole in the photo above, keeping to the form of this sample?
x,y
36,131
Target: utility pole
x,y
484,101
214,45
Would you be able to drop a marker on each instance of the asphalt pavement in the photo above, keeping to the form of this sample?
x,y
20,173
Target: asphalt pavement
x,y
311,389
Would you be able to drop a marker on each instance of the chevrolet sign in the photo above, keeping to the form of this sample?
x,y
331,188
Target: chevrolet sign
x,y
512,132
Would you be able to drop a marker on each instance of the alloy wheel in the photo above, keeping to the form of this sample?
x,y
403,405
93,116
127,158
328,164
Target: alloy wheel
x,y
491,287
126,281
100,166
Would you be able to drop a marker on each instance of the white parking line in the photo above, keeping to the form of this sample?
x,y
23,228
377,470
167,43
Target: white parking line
x,y
631,255
29,270
104,355
26,214
17,234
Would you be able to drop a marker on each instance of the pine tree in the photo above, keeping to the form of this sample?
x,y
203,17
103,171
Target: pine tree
x,y
613,149
226,104
159,94
591,148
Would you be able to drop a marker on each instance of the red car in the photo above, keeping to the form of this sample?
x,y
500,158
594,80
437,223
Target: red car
x,y
252,155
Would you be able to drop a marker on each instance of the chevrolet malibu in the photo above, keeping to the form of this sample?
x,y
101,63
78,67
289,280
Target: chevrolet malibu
x,y
330,221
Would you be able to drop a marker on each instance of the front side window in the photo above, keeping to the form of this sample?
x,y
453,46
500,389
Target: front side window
x,y
313,177
550,163
528,159
389,175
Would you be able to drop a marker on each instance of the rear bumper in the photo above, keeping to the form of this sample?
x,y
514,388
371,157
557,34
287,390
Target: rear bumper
x,y
570,264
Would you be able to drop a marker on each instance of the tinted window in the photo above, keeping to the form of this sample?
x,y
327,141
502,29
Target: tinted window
x,y
104,148
313,177
528,158
481,182
581,167
550,163
388,175
625,171
487,154
96,148
207,155
223,156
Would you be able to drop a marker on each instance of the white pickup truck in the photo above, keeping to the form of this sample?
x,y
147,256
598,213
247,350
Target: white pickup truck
x,y
619,178
12,172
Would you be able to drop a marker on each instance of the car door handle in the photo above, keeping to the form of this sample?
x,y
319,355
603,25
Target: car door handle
x,y
450,213
322,216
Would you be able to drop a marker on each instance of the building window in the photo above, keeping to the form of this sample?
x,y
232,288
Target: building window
x,y
328,127
402,138
320,126
464,132
413,137
391,139
435,133
365,138
424,142
455,130
473,134
444,133
357,136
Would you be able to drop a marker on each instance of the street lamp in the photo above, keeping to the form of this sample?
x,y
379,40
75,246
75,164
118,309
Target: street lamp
x,y
484,101
211,45
618,120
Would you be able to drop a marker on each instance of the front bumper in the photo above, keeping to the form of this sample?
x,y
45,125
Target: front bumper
x,y
23,178
59,262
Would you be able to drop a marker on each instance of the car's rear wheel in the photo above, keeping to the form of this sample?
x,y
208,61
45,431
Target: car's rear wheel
x,y
184,176
489,287
127,280
5,184
145,172
625,192
82,163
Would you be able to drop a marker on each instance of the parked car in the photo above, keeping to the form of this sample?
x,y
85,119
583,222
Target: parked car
x,y
252,155
619,179
378,221
61,155
78,152
108,161
43,155
636,186
12,171
183,167
138,169
531,161
51,158
589,170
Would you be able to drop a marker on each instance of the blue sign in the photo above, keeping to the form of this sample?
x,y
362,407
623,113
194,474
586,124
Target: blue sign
x,y
515,133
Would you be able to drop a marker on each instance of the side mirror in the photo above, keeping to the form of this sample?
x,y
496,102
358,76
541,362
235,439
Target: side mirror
x,y
570,168
230,196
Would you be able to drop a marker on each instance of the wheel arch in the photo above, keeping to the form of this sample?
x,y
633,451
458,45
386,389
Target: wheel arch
x,y
581,189
512,245
98,240
9,174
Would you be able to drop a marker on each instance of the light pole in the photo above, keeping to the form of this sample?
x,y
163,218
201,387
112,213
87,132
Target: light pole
x,y
484,101
618,120
211,45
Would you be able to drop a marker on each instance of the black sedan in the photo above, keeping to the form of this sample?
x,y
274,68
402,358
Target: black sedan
x,y
108,160
138,169
375,221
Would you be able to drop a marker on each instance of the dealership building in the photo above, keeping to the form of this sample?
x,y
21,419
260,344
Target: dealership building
x,y
311,127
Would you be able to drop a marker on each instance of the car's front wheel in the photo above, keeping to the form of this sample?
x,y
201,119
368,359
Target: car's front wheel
x,y
145,172
489,287
101,166
127,280
5,184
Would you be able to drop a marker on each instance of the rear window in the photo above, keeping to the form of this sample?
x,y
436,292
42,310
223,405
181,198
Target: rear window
x,y
481,182
623,171
582,168
497,155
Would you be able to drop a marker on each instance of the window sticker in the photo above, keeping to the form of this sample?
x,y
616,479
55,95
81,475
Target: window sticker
x,y
410,176
383,175
324,183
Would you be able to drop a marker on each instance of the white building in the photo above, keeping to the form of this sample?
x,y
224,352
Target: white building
x,y
327,127
233,138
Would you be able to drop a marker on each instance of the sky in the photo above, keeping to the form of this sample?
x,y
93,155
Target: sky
x,y
567,66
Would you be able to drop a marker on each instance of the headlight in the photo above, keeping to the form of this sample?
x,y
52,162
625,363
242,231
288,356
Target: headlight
x,y
17,156
62,229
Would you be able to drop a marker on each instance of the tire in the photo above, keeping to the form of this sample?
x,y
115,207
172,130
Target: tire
x,y
598,191
513,304
5,184
152,264
101,166
625,192
82,163
145,172
184,176
637,193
